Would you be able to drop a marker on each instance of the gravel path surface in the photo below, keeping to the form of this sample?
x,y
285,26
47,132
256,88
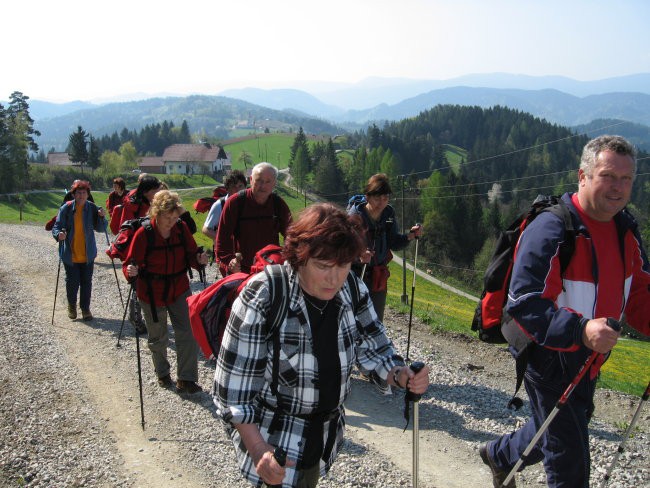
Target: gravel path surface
x,y
70,406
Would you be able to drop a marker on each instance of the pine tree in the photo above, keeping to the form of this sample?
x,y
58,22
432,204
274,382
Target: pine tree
x,y
16,140
77,149
93,153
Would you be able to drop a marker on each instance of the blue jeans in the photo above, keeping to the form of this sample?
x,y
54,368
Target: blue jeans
x,y
79,275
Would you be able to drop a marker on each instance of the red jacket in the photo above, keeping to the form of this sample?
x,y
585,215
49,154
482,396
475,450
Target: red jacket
x,y
113,200
250,230
162,268
132,210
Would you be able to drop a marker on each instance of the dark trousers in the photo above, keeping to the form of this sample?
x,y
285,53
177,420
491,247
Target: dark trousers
x,y
79,276
564,448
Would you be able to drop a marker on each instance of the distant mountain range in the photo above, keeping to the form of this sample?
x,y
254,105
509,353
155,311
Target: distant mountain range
x,y
330,107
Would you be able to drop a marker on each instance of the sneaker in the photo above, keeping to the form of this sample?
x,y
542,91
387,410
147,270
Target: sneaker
x,y
72,311
165,381
498,475
86,315
382,386
190,387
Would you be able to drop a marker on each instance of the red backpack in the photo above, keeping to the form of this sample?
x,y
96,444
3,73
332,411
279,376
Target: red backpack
x,y
210,309
50,223
204,204
116,215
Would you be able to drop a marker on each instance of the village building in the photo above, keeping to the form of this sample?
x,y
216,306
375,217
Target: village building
x,y
195,159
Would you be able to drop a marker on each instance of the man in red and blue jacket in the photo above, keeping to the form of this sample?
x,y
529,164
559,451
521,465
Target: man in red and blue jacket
x,y
566,314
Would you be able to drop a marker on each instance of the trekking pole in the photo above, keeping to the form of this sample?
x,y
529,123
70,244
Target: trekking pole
x,y
137,347
117,281
126,309
56,288
415,268
414,398
201,250
626,436
560,403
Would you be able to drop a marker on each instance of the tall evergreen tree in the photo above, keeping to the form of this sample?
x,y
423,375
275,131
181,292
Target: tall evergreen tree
x,y
184,137
78,149
300,141
16,141
300,168
93,153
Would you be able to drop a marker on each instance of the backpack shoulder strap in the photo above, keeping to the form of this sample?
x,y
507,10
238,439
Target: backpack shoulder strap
x,y
278,280
568,245
354,290
241,203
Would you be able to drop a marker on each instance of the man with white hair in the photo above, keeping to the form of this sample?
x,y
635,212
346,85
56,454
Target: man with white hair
x,y
251,220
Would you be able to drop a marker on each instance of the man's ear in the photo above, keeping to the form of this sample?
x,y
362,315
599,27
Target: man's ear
x,y
582,176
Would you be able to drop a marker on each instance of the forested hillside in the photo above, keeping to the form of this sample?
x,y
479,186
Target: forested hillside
x,y
211,116
508,157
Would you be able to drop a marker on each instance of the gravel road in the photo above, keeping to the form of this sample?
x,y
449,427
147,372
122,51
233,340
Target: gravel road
x,y
70,404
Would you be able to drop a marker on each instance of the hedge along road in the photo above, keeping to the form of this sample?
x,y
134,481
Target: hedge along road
x,y
184,445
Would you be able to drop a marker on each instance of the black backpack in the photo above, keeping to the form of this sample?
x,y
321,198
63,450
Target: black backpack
x,y
490,321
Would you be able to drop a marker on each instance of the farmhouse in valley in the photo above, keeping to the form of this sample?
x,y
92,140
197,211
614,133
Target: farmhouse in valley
x,y
193,159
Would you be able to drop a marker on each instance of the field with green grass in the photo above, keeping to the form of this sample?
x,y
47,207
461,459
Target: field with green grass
x,y
274,148
627,369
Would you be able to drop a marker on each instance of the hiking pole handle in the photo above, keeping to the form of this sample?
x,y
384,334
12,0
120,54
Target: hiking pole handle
x,y
416,367
280,456
614,324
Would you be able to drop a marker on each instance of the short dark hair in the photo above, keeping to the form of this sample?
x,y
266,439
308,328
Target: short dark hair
x,y
324,231
378,185
234,177
119,182
147,183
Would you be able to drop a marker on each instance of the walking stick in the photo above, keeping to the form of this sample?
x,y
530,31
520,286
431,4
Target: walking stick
x,y
137,346
126,309
626,436
415,268
560,403
56,288
119,288
414,398
201,250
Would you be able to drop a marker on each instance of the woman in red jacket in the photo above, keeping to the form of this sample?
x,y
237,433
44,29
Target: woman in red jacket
x,y
137,204
160,255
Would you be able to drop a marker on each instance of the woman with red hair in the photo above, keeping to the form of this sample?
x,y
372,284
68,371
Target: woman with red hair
x,y
73,229
283,389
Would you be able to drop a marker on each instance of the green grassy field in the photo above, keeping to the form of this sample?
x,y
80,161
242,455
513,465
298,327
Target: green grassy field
x,y
274,148
627,369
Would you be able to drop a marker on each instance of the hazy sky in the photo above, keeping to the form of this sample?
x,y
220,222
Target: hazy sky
x,y
88,50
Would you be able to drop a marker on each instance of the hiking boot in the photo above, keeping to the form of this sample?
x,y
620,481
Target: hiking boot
x,y
85,315
165,381
498,475
190,387
72,311
382,386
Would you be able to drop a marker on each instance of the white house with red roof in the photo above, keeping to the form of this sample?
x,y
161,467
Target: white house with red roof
x,y
192,159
